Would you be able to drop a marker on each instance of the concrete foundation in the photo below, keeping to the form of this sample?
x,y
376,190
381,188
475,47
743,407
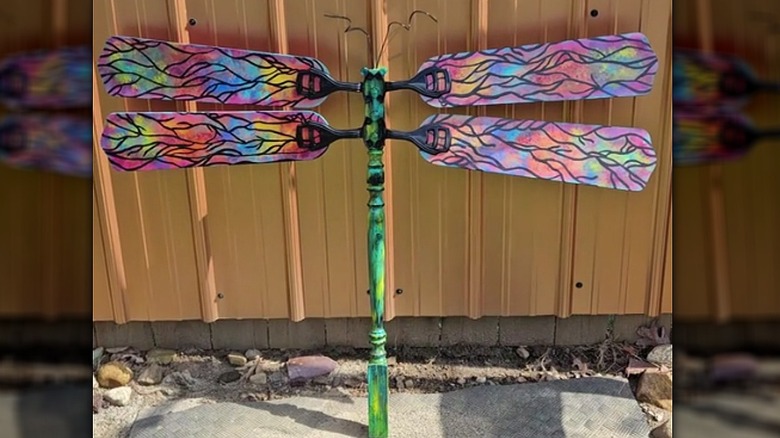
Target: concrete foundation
x,y
313,333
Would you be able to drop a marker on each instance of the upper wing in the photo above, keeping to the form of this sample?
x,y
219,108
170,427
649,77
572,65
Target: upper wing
x,y
153,69
590,68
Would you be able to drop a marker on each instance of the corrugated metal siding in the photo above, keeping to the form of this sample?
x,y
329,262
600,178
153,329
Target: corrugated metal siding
x,y
44,231
727,242
288,240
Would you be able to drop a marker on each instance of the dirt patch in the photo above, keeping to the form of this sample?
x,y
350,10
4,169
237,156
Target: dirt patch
x,y
203,375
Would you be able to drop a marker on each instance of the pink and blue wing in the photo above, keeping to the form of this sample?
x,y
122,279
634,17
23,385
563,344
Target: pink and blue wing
x,y
618,158
152,69
54,143
170,140
52,79
602,67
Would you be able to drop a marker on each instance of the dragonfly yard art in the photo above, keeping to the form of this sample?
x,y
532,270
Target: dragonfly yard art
x,y
613,66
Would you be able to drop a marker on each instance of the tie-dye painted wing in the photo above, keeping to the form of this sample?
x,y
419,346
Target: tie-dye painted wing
x,y
713,78
52,79
153,69
706,136
616,158
591,68
171,140
53,142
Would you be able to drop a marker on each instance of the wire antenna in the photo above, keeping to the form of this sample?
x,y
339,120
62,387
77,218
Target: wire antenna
x,y
352,29
405,26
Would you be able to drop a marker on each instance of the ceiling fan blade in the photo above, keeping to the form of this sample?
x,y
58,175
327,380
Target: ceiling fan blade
x,y
589,68
59,143
170,140
602,156
47,79
152,69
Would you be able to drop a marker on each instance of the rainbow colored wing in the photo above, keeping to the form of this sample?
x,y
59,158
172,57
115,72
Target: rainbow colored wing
x,y
698,136
52,79
617,158
53,142
152,69
592,68
170,140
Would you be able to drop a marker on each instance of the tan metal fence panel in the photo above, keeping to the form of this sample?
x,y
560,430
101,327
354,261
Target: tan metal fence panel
x,y
44,260
288,240
726,236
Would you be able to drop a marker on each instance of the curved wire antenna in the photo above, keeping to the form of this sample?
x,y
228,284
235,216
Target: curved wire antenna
x,y
352,29
405,26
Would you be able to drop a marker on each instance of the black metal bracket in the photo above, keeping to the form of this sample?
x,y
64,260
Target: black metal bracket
x,y
432,82
433,139
314,136
315,84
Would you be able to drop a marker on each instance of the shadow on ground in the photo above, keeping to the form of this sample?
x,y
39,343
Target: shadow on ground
x,y
51,410
567,408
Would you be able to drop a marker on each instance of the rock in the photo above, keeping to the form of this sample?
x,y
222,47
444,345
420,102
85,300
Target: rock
x,y
309,367
655,389
399,382
97,354
521,379
523,353
252,354
114,374
481,379
95,383
229,377
662,431
160,356
236,359
732,367
337,392
260,378
461,381
409,384
151,375
97,402
661,355
277,377
181,378
119,396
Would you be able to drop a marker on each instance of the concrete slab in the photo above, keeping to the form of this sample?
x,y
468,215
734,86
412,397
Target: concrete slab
x,y
133,334
352,332
729,415
309,333
466,331
46,411
592,407
581,329
526,330
414,332
181,334
244,334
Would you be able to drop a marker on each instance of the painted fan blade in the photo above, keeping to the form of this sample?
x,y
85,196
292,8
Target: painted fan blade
x,y
171,140
152,69
617,158
51,79
708,136
710,78
54,143
592,68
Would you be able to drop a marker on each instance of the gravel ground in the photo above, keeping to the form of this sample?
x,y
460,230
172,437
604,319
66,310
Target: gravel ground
x,y
423,370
